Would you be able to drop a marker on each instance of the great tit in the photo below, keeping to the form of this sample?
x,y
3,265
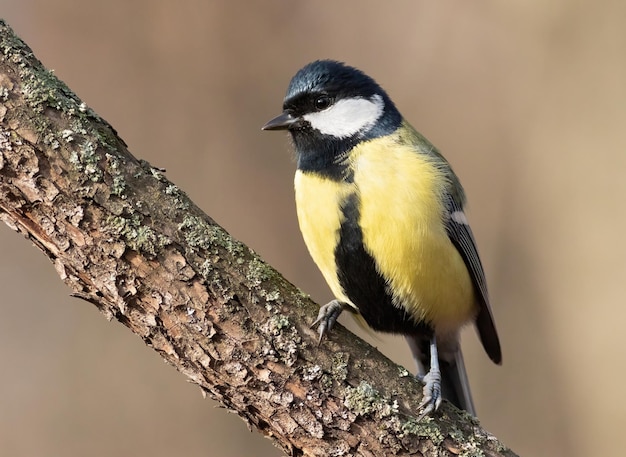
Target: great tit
x,y
382,215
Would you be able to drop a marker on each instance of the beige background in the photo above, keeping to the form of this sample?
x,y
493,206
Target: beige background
x,y
526,98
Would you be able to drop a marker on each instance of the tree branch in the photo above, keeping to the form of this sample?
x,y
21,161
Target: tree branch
x,y
124,238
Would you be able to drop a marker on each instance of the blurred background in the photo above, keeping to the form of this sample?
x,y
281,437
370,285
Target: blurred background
x,y
527,99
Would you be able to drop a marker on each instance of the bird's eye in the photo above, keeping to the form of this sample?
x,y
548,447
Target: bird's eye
x,y
323,102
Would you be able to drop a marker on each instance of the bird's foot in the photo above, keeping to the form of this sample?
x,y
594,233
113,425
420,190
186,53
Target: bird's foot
x,y
327,317
432,393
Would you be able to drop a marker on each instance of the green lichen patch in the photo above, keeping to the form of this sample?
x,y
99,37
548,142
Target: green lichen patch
x,y
86,160
137,235
365,400
258,272
47,95
423,428
181,201
277,323
199,233
339,368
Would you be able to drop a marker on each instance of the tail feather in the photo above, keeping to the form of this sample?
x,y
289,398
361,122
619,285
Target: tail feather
x,y
455,385
454,382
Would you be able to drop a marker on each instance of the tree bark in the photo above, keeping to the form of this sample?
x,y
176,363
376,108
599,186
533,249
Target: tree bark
x,y
124,238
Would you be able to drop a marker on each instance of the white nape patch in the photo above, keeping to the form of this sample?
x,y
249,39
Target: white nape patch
x,y
348,116
459,217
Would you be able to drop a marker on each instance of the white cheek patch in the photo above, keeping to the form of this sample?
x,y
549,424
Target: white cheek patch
x,y
347,117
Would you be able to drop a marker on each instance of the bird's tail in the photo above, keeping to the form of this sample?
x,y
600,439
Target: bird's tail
x,y
454,382
455,385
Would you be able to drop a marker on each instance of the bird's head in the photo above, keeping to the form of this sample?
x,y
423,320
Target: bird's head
x,y
330,107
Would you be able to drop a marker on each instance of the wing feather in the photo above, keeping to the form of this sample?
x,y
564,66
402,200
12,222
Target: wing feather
x,y
461,236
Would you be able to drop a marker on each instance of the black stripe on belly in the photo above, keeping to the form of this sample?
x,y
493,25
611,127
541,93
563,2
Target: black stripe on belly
x,y
363,284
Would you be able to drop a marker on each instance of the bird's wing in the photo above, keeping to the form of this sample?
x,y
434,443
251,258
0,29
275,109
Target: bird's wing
x,y
461,236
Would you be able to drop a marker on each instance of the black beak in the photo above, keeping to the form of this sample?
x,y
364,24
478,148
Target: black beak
x,y
282,122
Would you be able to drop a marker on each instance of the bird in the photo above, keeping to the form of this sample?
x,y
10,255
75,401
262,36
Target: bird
x,y
382,214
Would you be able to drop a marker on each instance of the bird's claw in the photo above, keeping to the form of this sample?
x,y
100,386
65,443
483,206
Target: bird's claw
x,y
327,317
432,393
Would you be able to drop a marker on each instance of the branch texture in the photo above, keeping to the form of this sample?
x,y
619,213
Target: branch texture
x,y
124,238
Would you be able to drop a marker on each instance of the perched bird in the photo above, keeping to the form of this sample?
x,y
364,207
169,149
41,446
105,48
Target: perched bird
x,y
382,215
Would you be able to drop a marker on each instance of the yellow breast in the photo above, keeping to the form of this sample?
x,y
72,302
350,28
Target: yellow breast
x,y
402,221
403,229
318,203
